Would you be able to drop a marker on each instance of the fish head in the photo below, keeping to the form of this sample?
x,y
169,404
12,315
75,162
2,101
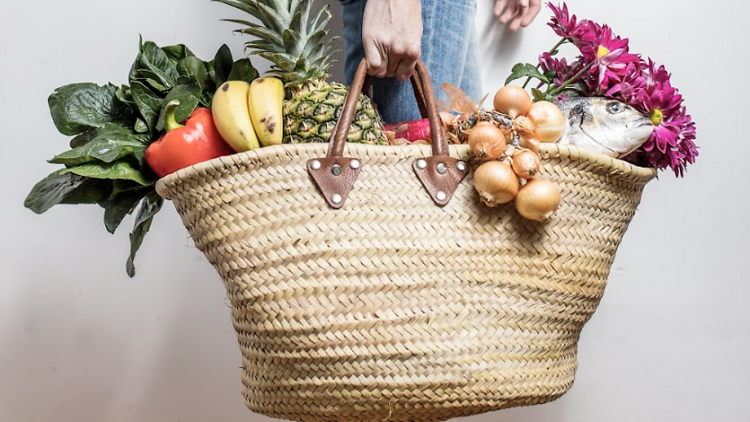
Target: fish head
x,y
605,125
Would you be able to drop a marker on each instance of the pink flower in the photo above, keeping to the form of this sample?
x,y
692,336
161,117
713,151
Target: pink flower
x,y
628,87
560,67
611,56
562,22
606,67
671,144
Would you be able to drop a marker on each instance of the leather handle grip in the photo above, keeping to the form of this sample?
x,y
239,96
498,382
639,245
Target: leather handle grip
x,y
424,93
440,174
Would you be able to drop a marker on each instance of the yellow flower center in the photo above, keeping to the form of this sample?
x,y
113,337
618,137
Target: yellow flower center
x,y
602,51
656,116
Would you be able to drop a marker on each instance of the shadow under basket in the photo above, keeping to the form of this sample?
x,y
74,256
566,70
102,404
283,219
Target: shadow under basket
x,y
393,308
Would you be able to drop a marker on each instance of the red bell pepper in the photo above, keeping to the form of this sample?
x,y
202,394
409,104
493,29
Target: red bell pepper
x,y
183,146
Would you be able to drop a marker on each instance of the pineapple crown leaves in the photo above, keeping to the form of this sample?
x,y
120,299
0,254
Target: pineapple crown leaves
x,y
288,37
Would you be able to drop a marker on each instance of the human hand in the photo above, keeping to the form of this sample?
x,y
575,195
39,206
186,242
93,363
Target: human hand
x,y
522,12
391,36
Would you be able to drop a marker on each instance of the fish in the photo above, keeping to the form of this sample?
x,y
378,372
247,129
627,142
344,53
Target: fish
x,y
604,125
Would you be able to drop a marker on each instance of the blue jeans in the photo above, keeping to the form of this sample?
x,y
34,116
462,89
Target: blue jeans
x,y
449,50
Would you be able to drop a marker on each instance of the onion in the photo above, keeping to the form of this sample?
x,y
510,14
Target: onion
x,y
523,126
512,100
548,120
486,141
526,164
530,143
496,183
538,199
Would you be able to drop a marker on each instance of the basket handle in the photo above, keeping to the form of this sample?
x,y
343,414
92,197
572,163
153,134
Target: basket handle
x,y
440,174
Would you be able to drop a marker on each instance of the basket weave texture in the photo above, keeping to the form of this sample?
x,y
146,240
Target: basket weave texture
x,y
393,308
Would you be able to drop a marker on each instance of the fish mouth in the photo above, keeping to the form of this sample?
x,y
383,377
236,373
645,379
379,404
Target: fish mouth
x,y
645,122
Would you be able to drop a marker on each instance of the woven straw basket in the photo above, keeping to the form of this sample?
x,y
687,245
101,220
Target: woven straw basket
x,y
403,304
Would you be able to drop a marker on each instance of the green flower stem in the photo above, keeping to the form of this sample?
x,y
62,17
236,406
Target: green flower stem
x,y
559,90
551,51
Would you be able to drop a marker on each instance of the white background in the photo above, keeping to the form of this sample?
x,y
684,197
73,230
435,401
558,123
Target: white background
x,y
79,341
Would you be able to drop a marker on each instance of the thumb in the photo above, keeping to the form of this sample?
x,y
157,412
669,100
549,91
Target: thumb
x,y
376,63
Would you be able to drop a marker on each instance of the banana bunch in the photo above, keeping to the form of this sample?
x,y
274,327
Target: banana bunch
x,y
249,115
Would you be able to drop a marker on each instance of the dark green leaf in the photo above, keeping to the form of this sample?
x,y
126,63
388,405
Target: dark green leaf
x,y
156,85
194,70
123,169
550,75
121,203
140,126
148,103
107,144
188,96
124,96
153,63
537,94
83,138
177,52
66,188
150,206
243,70
78,107
525,70
223,62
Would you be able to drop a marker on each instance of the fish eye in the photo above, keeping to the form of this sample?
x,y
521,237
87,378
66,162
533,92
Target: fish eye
x,y
615,107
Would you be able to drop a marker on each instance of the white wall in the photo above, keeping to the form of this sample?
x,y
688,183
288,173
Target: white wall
x,y
79,341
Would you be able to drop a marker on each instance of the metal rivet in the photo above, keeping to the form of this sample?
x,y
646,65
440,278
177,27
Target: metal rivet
x,y
421,164
315,165
461,165
442,168
336,198
336,169
354,164
441,196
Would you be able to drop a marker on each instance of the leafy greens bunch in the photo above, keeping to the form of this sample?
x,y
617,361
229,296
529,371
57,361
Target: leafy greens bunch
x,y
112,126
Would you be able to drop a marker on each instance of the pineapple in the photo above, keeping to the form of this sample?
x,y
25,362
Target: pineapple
x,y
294,41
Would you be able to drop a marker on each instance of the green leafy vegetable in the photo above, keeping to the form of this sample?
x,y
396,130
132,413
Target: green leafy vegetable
x,y
121,202
188,95
78,107
150,206
154,64
223,64
65,188
106,144
112,126
119,170
193,71
149,104
243,70
177,52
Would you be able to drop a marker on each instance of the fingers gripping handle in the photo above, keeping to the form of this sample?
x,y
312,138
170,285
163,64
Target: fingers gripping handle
x,y
440,174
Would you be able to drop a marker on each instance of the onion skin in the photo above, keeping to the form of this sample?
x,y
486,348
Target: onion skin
x,y
486,141
548,121
523,125
526,164
538,199
512,100
496,183
530,143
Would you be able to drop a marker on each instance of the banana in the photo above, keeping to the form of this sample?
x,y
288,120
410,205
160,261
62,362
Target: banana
x,y
231,113
266,98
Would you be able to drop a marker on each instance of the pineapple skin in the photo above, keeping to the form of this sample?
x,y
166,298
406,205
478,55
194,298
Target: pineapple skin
x,y
311,114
